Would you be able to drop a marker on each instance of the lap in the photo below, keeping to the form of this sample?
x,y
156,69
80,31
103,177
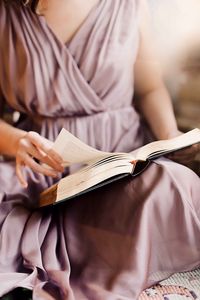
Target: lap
x,y
163,178
121,229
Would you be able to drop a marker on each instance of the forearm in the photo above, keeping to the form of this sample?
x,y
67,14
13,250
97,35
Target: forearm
x,y
156,108
9,138
154,101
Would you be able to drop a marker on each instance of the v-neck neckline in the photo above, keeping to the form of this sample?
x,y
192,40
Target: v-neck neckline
x,y
79,30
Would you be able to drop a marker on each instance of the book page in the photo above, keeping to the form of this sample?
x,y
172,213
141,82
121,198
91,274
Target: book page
x,y
162,147
74,151
89,176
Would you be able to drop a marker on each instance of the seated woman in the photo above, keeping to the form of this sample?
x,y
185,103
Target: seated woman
x,y
82,66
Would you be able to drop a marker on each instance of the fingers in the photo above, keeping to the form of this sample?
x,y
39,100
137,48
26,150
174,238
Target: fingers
x,y
33,150
183,160
20,174
187,152
44,158
41,149
44,152
30,162
44,145
36,167
186,155
52,163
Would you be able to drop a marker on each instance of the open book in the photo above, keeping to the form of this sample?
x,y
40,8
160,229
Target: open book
x,y
100,168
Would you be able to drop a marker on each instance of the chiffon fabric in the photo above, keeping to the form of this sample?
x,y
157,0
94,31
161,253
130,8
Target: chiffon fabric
x,y
111,243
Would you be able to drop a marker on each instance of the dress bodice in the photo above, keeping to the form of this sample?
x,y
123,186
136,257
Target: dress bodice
x,y
88,81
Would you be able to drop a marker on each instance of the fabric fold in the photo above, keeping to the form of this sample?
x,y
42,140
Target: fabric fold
x,y
110,243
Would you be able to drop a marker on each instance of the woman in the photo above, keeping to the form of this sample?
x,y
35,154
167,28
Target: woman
x,y
71,65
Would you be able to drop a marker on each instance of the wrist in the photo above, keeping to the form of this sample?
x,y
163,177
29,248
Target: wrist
x,y
173,134
168,134
18,135
10,137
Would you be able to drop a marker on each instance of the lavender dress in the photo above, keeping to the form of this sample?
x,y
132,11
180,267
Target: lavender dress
x,y
112,243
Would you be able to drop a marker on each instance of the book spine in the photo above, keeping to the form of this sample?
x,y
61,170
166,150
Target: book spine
x,y
49,196
140,166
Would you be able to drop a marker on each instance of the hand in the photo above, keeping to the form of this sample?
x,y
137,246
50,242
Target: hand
x,y
33,149
186,155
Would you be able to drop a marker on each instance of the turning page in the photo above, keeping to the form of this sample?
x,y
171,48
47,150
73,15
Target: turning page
x,y
74,151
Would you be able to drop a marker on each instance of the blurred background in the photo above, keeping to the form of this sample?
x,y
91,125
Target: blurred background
x,y
176,33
